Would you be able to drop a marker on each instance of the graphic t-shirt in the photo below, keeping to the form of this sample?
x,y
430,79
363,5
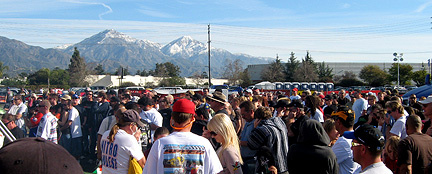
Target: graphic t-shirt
x,y
182,152
115,155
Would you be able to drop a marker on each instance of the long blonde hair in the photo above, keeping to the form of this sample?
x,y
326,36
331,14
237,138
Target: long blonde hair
x,y
222,125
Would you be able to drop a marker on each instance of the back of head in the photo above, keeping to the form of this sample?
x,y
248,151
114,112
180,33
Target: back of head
x,y
415,122
312,133
202,111
345,115
183,110
263,113
161,131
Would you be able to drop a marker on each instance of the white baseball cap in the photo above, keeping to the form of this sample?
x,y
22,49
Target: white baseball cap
x,y
426,101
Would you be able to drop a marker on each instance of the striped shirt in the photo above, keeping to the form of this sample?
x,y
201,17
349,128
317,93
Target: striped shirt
x,y
47,128
272,133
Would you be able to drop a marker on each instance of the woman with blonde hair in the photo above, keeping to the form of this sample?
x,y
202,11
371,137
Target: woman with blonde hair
x,y
222,129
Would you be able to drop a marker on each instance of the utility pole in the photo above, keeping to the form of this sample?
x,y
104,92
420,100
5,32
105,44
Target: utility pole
x,y
209,74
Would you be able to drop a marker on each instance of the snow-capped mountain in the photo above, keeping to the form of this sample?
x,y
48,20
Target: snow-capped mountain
x,y
113,49
196,51
185,47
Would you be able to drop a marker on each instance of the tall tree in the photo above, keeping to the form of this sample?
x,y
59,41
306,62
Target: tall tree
x,y
307,72
245,78
275,72
3,68
291,67
405,73
167,69
419,77
325,73
373,75
232,71
98,70
77,69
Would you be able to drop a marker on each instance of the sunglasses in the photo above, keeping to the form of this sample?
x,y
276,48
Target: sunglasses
x,y
354,144
7,123
41,106
212,133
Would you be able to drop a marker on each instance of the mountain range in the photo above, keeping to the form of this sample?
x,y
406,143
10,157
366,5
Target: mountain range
x,y
113,49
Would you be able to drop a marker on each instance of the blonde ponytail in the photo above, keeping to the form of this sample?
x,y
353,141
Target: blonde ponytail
x,y
113,132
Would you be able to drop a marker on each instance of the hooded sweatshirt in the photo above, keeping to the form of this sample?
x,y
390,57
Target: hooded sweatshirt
x,y
312,154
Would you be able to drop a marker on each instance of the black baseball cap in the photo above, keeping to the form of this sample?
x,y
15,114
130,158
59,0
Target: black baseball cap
x,y
368,135
296,103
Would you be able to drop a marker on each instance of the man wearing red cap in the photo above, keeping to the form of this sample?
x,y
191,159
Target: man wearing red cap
x,y
182,151
294,95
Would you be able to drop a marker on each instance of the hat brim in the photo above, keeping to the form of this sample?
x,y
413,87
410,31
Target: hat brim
x,y
426,101
140,123
214,99
349,135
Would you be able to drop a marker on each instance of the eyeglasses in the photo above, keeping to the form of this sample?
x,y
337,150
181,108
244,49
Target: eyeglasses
x,y
354,144
212,133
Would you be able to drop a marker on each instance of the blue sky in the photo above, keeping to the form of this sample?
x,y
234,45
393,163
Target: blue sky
x,y
332,30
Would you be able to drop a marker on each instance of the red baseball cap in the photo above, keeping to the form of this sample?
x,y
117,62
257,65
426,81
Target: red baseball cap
x,y
184,106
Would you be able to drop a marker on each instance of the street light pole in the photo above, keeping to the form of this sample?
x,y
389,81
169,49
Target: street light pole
x,y
397,59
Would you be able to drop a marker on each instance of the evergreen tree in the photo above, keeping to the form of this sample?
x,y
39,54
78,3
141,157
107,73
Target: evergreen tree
x,y
324,72
275,72
77,69
307,72
291,67
98,70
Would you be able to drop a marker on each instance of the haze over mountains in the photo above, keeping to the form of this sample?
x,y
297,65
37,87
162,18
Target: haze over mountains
x,y
113,49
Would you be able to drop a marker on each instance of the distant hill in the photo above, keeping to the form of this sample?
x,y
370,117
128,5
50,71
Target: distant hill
x,y
113,49
21,57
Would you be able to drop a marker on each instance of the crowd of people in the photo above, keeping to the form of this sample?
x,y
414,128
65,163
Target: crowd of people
x,y
251,132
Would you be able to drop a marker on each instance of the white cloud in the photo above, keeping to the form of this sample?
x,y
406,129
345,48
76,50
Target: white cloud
x,y
423,7
346,5
154,13
109,9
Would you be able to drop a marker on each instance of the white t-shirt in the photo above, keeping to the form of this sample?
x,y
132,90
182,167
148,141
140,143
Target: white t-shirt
x,y
344,156
399,128
19,109
358,107
115,155
297,97
76,123
152,116
182,152
318,116
107,124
